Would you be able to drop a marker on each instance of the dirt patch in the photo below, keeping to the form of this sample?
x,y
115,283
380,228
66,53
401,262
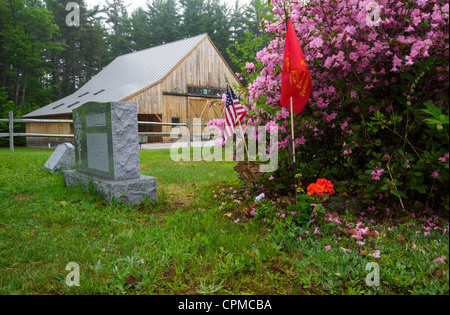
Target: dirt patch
x,y
20,198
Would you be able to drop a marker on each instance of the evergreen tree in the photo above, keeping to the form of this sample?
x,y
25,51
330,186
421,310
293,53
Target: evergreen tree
x,y
85,53
117,19
140,35
194,17
26,47
164,22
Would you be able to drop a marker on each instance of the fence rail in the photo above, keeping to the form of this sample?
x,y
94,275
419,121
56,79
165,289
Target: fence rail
x,y
11,134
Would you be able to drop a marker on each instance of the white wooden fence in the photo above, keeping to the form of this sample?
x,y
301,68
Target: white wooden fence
x,y
11,134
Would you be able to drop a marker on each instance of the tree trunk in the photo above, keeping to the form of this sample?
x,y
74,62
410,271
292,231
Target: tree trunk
x,y
74,72
16,94
57,77
24,89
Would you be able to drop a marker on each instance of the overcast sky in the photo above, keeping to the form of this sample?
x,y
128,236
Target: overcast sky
x,y
134,4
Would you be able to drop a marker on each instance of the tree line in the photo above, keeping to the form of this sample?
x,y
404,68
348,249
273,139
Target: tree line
x,y
43,59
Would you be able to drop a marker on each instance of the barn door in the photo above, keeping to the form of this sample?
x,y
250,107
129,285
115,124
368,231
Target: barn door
x,y
199,109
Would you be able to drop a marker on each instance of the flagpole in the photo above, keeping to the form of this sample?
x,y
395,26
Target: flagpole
x,y
242,129
294,164
292,132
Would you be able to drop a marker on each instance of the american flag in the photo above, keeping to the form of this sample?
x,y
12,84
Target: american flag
x,y
235,113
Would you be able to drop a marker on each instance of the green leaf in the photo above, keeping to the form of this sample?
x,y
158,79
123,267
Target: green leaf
x,y
436,113
267,108
421,188
408,76
398,193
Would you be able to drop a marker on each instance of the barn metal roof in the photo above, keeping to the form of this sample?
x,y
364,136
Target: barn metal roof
x,y
125,76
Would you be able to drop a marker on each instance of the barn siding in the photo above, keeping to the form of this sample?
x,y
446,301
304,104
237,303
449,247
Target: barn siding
x,y
49,128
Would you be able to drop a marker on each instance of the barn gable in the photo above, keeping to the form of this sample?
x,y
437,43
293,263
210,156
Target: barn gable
x,y
171,81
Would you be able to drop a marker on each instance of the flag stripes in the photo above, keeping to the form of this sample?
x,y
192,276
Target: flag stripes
x,y
235,113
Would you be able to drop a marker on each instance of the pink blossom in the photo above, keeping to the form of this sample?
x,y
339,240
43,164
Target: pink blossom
x,y
328,247
272,126
445,158
440,259
316,43
376,173
397,61
250,66
376,254
435,175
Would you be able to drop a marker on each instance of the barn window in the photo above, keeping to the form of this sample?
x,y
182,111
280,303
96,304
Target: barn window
x,y
202,91
175,120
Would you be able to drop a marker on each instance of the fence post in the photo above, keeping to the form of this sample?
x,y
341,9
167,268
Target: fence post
x,y
188,135
11,131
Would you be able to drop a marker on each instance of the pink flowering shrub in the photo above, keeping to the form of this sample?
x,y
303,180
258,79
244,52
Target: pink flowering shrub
x,y
377,118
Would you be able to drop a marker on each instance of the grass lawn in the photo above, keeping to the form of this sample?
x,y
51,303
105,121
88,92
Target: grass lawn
x,y
200,238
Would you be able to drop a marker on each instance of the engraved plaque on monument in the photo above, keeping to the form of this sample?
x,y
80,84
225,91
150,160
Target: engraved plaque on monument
x,y
104,140
107,152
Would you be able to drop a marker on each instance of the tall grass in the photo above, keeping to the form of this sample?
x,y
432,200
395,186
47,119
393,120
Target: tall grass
x,y
186,243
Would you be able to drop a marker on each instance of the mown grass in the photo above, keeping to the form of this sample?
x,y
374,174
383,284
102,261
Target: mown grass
x,y
190,241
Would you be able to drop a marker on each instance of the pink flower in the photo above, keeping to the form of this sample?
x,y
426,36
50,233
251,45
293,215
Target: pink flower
x,y
397,61
435,175
376,173
316,43
250,66
328,247
440,259
316,231
271,177
346,249
272,126
376,254
445,158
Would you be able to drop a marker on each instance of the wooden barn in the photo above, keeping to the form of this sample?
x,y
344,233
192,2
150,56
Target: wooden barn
x,y
169,83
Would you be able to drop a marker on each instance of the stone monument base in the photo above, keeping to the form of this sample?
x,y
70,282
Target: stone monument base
x,y
63,158
133,191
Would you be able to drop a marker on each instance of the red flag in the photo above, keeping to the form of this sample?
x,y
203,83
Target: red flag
x,y
295,78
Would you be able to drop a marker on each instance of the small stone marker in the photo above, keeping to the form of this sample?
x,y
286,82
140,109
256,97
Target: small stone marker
x,y
107,153
63,158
